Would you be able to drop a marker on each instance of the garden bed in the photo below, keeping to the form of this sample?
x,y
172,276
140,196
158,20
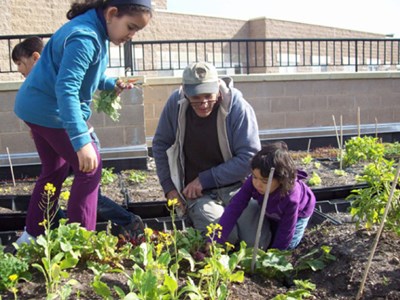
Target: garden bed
x,y
339,279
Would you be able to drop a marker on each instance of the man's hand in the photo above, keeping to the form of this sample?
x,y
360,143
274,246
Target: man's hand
x,y
193,190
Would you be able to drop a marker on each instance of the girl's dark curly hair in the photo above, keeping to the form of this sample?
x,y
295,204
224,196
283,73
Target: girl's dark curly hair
x,y
276,155
78,8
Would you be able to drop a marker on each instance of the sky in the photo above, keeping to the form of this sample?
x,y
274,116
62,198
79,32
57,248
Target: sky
x,y
376,16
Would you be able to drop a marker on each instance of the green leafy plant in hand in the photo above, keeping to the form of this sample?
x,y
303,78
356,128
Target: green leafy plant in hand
x,y
108,102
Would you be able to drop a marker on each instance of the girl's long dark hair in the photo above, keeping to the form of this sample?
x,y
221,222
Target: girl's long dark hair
x,y
276,155
78,8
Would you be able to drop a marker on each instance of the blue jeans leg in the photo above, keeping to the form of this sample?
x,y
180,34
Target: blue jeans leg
x,y
299,232
107,209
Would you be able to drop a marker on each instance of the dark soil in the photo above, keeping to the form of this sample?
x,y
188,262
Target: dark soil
x,y
340,279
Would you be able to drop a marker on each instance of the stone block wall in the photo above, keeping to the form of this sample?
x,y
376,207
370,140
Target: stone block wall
x,y
122,139
285,105
301,102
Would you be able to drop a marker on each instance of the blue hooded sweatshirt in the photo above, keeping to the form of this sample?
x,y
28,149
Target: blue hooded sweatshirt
x,y
58,91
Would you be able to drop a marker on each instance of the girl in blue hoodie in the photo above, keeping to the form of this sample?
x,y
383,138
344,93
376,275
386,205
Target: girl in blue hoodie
x,y
54,101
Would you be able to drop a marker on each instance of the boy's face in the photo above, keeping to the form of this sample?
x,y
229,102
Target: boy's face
x,y
260,183
25,65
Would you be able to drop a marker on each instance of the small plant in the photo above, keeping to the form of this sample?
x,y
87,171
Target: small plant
x,y
12,270
392,150
368,204
306,160
219,268
108,176
52,266
340,172
68,182
362,149
314,179
272,263
315,259
136,176
303,288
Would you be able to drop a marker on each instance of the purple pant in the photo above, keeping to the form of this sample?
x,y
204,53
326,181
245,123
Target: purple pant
x,y
57,155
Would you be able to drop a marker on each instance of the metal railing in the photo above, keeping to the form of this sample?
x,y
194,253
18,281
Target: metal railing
x,y
241,56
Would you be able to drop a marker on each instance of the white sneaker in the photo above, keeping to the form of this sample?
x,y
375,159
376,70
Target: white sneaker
x,y
25,238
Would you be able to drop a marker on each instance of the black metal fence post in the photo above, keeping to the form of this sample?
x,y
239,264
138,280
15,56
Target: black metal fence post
x,y
128,58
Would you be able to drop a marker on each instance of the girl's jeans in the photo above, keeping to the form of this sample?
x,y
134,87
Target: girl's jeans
x,y
299,232
57,155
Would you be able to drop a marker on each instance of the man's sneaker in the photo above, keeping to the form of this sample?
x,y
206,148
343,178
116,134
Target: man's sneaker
x,y
133,232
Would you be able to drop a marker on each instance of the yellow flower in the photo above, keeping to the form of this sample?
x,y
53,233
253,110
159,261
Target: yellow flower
x,y
214,229
159,248
209,230
43,223
13,277
172,202
50,188
65,195
229,245
165,237
148,232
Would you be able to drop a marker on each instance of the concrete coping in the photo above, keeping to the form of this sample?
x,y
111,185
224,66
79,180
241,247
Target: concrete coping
x,y
288,77
14,85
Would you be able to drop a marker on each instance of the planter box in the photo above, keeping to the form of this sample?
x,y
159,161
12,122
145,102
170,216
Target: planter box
x,y
155,215
15,202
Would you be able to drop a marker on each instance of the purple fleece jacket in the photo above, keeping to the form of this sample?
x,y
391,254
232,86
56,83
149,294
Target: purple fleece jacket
x,y
282,211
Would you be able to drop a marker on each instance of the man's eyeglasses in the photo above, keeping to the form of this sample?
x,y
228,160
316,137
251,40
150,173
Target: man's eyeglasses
x,y
205,101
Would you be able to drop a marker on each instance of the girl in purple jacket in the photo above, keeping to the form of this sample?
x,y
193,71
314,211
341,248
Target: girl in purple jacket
x,y
290,203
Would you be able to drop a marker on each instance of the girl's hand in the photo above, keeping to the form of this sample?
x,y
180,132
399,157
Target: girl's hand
x,y
87,158
121,85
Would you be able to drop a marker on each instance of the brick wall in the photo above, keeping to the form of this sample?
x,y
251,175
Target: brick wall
x,y
286,102
299,102
45,16
123,139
